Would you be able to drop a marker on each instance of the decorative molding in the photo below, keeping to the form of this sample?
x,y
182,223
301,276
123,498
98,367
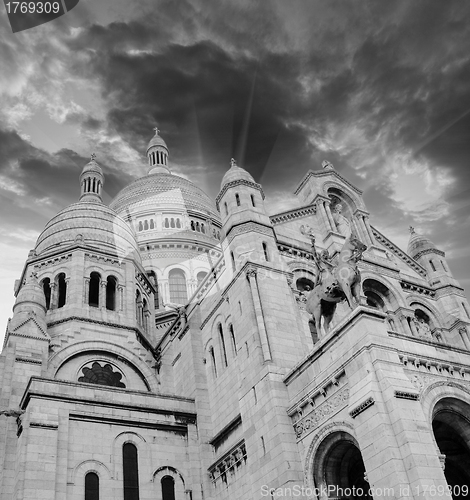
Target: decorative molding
x,y
308,423
399,253
293,214
226,431
430,250
102,259
248,227
406,395
228,463
41,425
321,389
293,251
323,173
32,361
52,262
362,407
413,287
237,182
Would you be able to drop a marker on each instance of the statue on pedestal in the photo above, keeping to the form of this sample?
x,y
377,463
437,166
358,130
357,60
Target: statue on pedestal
x,y
342,223
334,282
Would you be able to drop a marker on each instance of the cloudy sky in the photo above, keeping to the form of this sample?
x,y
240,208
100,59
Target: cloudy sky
x,y
380,89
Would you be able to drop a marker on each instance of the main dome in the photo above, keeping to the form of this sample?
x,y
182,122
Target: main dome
x,y
168,190
94,224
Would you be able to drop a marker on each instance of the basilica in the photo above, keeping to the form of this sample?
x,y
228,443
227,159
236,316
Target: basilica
x,y
174,347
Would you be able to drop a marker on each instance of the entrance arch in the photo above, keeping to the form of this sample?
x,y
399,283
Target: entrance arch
x,y
451,427
339,469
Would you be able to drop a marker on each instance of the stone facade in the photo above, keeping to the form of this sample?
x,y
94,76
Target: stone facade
x,y
159,350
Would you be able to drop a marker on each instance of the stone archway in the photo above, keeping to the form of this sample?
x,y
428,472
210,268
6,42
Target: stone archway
x,y
451,427
339,468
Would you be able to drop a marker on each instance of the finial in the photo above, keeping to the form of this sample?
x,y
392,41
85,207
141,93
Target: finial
x,y
93,156
157,130
326,164
233,163
412,230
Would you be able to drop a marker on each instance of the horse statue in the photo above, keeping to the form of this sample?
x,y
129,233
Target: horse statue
x,y
335,283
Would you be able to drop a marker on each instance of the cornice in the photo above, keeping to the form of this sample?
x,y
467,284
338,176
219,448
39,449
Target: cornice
x,y
238,182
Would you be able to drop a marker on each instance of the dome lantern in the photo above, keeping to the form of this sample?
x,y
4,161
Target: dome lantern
x,y
91,181
157,154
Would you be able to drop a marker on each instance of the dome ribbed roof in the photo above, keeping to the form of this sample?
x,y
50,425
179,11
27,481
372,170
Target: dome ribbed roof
x,y
169,189
156,140
92,222
92,166
235,173
418,243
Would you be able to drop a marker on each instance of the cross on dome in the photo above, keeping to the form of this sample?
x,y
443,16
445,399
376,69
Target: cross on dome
x,y
233,163
157,130
412,229
93,157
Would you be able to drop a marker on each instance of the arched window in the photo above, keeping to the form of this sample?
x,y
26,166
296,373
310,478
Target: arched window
x,y
145,310
226,208
167,223
130,472
62,290
177,284
233,261
198,229
232,338
92,486
172,222
111,283
193,227
433,267
304,284
94,290
203,229
46,286
138,307
168,488
214,366
443,266
265,250
200,276
218,235
152,224
222,344
237,198
178,223
141,227
252,200
146,225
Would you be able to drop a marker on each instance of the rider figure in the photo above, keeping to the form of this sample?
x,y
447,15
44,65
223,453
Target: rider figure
x,y
323,262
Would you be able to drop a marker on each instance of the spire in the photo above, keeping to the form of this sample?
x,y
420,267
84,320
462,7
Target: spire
x,y
158,154
91,181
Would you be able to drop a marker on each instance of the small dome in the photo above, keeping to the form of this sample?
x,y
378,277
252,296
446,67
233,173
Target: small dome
x,y
31,293
92,166
418,243
91,222
156,140
236,173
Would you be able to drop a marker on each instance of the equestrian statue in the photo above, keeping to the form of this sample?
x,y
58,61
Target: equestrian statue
x,y
334,282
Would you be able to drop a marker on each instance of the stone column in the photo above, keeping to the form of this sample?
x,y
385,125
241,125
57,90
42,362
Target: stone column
x,y
53,303
102,298
263,336
369,229
120,298
412,326
329,215
87,291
